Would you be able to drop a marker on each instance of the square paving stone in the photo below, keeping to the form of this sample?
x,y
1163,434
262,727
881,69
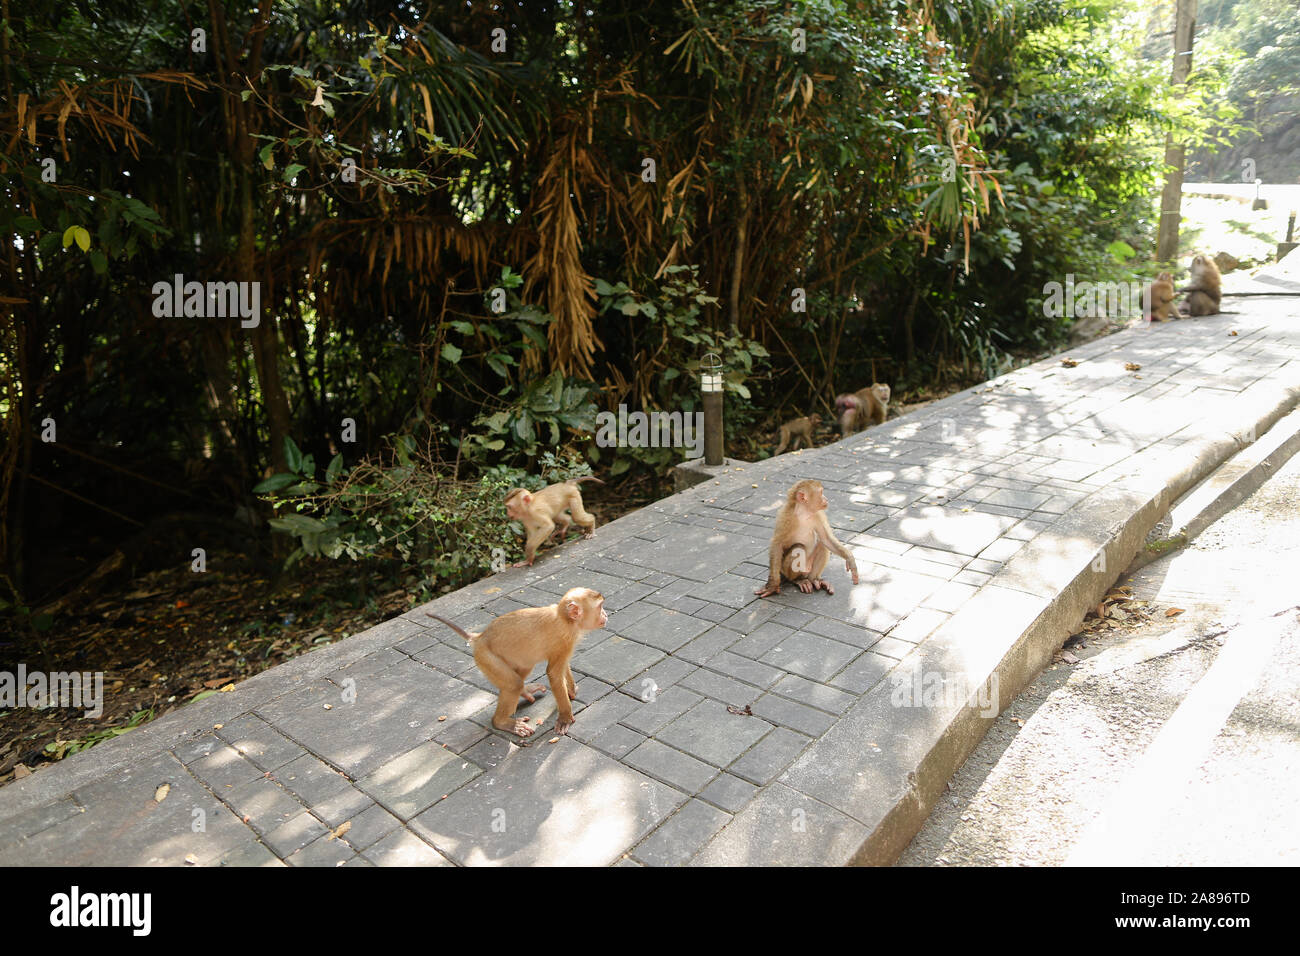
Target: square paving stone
x,y
418,778
761,639
558,805
342,807
369,827
394,711
732,590
681,836
787,713
617,741
770,756
714,734
728,792
710,552
722,688
403,848
671,766
260,742
604,713
667,629
944,528
647,716
290,837
863,674
311,779
814,694
919,625
711,642
251,853
263,805
616,660
224,769
742,668
322,851
811,656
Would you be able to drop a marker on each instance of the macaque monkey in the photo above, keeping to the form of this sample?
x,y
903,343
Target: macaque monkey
x,y
800,431
1202,288
864,407
538,511
512,645
802,543
1156,303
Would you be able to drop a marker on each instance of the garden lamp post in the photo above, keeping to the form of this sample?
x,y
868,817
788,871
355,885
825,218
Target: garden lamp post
x,y
711,386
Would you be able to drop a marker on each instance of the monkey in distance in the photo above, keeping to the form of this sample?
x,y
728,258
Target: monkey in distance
x,y
539,511
802,543
799,431
1158,301
866,406
1203,287
509,648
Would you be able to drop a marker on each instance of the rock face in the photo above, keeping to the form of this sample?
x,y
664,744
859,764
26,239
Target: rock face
x,y
1226,263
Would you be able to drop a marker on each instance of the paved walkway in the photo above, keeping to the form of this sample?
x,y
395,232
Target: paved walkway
x,y
714,727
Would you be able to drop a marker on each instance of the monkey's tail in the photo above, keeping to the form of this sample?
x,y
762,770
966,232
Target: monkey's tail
x,y
455,627
587,478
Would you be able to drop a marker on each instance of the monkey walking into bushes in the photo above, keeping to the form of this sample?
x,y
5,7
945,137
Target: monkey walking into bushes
x,y
509,648
539,511
799,431
802,543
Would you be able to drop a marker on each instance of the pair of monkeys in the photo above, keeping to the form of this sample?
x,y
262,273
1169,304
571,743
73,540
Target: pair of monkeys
x,y
508,649
854,411
1203,292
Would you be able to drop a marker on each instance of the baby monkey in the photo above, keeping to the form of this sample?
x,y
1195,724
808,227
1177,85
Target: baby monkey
x,y
539,511
802,543
509,648
799,431
1159,298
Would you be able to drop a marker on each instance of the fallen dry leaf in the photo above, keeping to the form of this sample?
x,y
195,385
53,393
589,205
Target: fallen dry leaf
x,y
191,859
1233,332
338,831
553,740
491,590
1173,612
160,794
1069,362
1067,657
227,689
1132,367
217,682
442,718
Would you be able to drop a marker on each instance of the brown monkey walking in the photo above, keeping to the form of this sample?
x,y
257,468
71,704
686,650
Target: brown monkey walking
x,y
866,406
800,431
1158,300
802,543
539,511
1203,288
509,648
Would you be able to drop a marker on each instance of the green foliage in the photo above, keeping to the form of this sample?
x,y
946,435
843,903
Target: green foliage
x,y
66,748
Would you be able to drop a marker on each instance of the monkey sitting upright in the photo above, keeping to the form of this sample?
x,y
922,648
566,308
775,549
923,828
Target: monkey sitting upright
x,y
509,648
800,431
802,543
1157,300
539,511
1203,287
866,406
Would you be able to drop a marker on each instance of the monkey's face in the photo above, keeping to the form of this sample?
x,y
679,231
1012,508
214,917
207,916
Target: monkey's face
x,y
1165,277
586,608
882,392
516,505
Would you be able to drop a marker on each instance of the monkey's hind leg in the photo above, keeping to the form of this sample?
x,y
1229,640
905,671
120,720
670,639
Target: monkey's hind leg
x,y
820,556
511,685
582,517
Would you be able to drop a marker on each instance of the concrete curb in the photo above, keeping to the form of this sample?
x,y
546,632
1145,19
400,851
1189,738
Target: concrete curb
x,y
1223,490
871,796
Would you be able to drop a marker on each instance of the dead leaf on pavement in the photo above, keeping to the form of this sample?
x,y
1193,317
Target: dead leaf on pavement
x,y
1173,612
338,831
160,794
1132,367
1069,362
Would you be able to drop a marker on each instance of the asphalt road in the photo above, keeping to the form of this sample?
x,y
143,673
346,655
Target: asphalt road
x,y
1174,743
